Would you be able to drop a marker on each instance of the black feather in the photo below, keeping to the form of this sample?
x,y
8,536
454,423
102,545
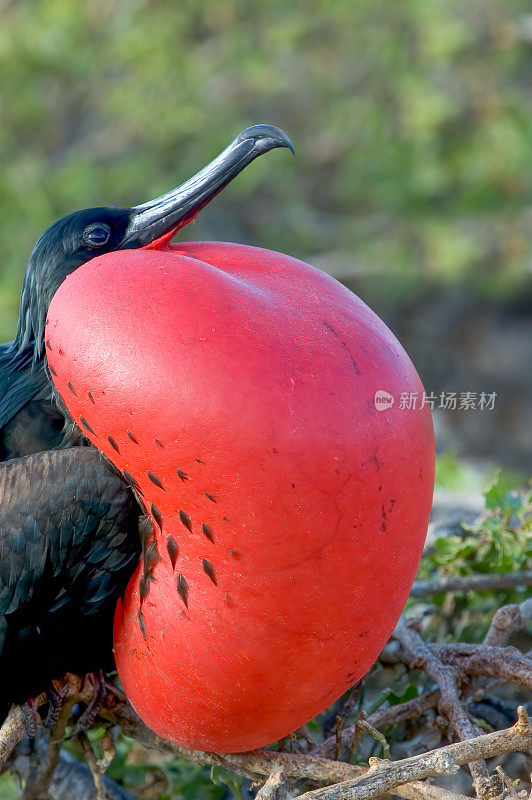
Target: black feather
x,y
21,379
68,545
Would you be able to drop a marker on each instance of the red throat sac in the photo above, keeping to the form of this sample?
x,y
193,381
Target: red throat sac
x,y
234,388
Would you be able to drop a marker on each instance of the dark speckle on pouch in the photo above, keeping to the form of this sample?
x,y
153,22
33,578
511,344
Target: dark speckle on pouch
x,y
208,532
130,479
185,519
344,345
209,570
86,425
142,624
182,588
155,480
173,550
113,444
158,517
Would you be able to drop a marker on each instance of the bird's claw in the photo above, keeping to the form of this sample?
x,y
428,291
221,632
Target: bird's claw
x,y
55,704
31,716
95,685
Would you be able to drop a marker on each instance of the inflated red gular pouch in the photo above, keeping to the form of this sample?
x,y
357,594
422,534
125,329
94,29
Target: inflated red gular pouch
x,y
235,388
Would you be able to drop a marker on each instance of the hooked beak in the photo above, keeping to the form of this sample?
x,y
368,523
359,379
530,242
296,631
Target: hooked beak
x,y
156,222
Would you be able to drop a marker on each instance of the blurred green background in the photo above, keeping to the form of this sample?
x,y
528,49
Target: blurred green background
x,y
412,125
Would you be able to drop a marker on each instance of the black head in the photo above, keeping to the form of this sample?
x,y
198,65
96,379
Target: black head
x,y
78,237
62,248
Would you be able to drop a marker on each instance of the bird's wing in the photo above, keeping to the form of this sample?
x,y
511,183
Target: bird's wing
x,y
21,380
68,527
38,426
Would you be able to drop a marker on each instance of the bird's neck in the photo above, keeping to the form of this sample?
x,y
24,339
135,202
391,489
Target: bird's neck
x,y
23,378
31,320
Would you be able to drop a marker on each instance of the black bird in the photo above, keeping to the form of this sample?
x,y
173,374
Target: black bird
x,y
69,524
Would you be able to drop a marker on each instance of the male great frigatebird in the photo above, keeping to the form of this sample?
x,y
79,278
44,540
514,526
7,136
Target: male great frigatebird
x,y
69,524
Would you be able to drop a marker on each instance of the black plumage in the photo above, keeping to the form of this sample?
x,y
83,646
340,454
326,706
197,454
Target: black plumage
x,y
68,523
64,562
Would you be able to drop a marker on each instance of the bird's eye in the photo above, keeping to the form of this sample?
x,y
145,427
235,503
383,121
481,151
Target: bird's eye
x,y
97,234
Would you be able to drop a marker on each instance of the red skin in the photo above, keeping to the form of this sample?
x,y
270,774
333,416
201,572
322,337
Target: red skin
x,y
254,375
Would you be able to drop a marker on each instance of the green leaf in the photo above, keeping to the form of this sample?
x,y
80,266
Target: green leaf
x,y
222,777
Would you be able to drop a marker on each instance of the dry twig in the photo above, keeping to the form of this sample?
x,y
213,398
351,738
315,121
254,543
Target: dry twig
x,y
92,764
11,733
381,719
319,771
450,705
71,780
385,776
507,620
275,788
507,663
468,583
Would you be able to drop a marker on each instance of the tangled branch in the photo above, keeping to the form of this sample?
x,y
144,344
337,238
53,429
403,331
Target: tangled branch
x,y
383,776
281,773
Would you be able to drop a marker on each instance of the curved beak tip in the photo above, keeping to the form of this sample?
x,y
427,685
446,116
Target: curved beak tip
x,y
267,137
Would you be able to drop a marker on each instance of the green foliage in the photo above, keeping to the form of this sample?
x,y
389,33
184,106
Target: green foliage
x,y
8,787
222,778
173,779
411,124
501,542
406,693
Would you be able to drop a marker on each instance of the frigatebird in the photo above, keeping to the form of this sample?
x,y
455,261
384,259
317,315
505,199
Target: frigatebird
x,y
69,524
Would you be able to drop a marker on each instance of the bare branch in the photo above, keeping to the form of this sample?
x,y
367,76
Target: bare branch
x,y
92,764
385,776
507,620
381,719
450,705
11,733
284,770
472,659
493,662
467,583
320,771
275,788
